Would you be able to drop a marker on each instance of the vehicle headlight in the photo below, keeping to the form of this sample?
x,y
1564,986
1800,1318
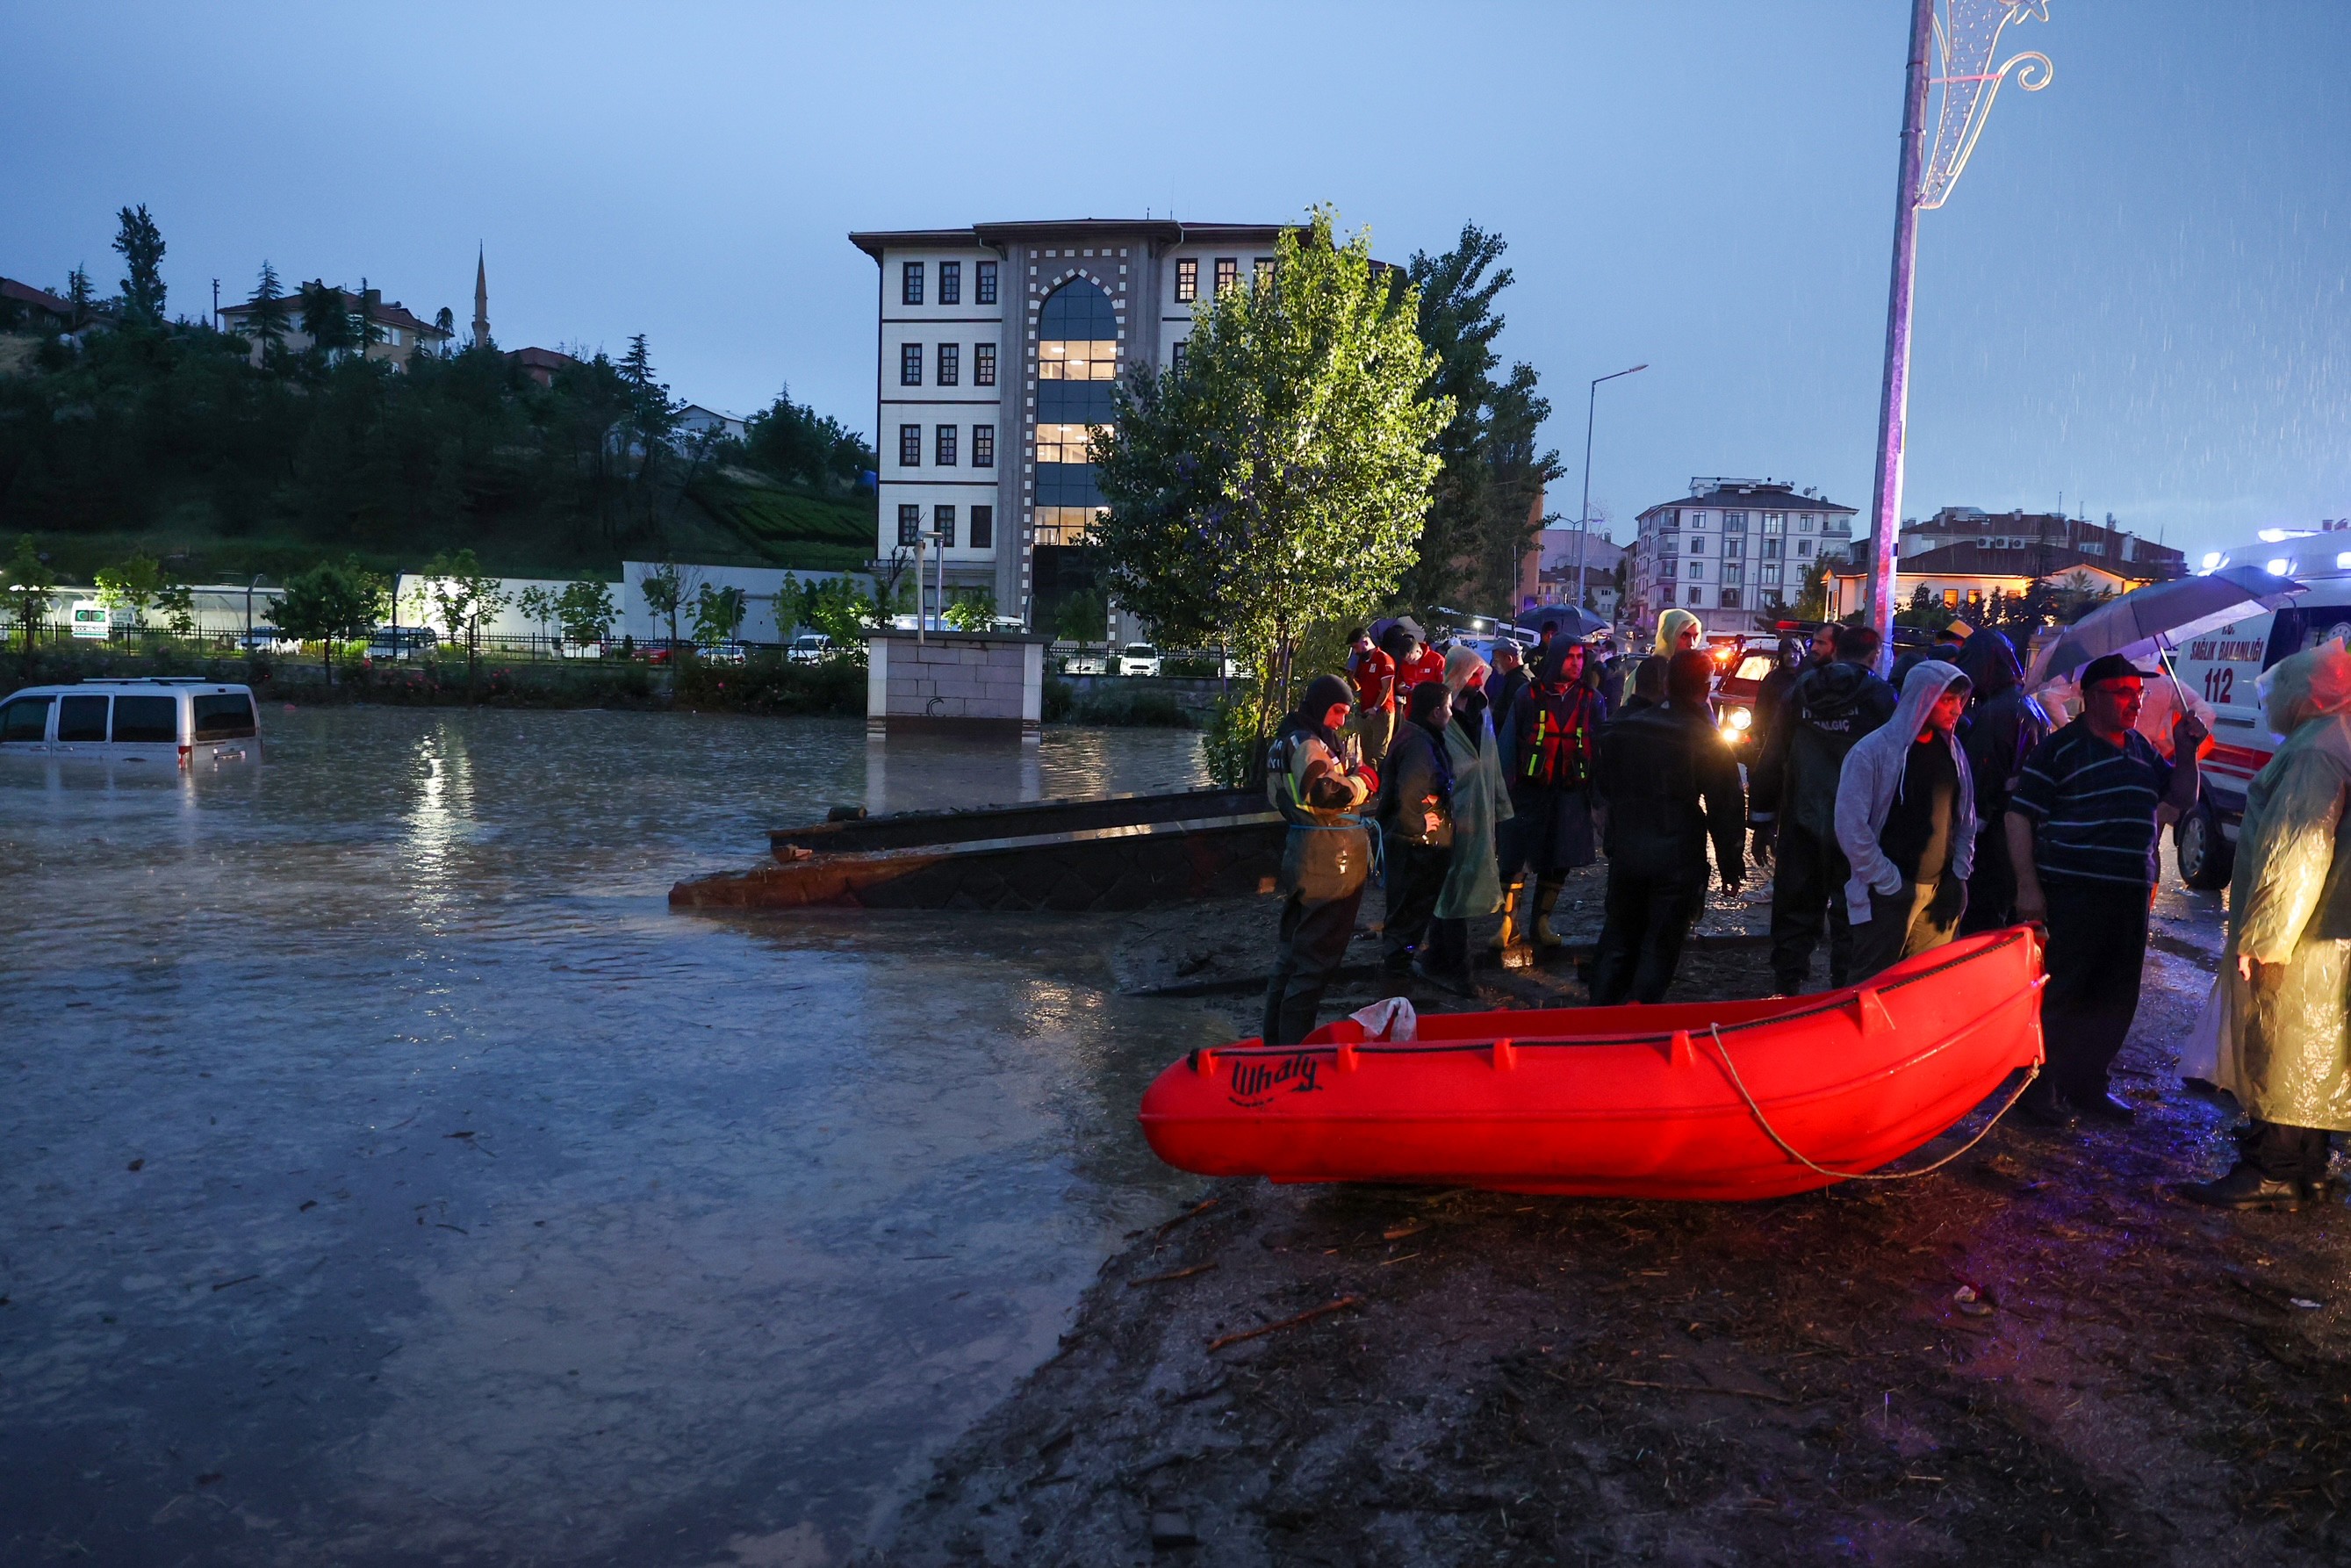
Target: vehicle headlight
x,y
1739,718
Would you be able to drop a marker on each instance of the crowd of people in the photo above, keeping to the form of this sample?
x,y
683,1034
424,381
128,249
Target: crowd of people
x,y
1896,815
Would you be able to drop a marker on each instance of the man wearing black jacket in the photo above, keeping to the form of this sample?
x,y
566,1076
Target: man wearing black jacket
x,y
1794,781
2003,727
1669,784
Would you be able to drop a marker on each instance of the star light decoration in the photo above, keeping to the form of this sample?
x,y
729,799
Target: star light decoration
x,y
1966,36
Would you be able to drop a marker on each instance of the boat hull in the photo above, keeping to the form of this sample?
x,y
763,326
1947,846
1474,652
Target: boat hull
x,y
1634,1102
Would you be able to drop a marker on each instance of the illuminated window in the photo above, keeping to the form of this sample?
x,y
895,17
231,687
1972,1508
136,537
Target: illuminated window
x,y
950,364
1264,271
1077,359
1065,444
982,527
950,283
943,523
1187,280
1065,525
983,448
1951,599
910,282
1229,272
983,364
986,282
942,443
910,522
910,364
910,445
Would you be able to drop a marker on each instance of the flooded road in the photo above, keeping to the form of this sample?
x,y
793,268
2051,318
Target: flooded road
x,y
391,1177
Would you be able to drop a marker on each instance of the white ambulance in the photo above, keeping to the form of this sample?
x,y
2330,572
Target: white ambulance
x,y
2224,664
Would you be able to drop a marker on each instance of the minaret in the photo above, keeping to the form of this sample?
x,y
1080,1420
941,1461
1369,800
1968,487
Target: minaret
x,y
481,301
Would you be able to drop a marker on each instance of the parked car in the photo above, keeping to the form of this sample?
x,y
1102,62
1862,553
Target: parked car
x,y
1085,662
724,654
401,642
583,649
268,640
1138,659
810,648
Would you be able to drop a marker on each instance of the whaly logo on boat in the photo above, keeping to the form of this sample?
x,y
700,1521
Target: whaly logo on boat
x,y
1259,1083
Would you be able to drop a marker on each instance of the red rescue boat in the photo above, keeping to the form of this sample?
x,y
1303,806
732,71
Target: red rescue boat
x,y
1703,1099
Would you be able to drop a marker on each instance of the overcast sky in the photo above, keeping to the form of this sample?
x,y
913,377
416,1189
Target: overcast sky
x,y
2137,298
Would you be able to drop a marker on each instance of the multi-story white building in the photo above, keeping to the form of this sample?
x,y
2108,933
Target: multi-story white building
x,y
1731,550
996,349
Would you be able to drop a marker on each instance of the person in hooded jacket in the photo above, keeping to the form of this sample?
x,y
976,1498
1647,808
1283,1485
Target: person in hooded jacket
x,y
2285,974
1416,816
1313,782
1668,785
1481,805
1416,664
2003,727
1794,809
1550,738
1905,819
1511,677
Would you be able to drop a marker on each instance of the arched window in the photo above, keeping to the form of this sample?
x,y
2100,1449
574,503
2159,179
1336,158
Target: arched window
x,y
1077,359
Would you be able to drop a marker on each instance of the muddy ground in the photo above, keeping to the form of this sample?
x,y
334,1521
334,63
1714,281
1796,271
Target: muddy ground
x,y
1531,1380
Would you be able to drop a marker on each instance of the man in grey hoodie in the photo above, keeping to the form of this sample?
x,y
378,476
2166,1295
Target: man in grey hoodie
x,y
1905,819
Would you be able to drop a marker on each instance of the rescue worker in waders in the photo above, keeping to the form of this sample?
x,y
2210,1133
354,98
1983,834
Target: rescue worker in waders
x,y
1550,737
1318,790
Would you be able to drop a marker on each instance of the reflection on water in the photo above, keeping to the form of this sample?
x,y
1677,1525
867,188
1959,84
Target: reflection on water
x,y
380,1144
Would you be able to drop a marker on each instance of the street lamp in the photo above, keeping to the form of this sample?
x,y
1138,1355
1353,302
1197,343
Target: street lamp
x,y
249,611
1584,514
1963,37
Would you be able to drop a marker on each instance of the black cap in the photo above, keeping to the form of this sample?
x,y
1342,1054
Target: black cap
x,y
2112,667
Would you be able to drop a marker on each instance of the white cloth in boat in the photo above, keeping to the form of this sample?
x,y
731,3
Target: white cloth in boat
x,y
1872,773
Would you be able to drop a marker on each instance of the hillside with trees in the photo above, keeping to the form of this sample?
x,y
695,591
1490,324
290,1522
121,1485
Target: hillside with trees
x,y
149,435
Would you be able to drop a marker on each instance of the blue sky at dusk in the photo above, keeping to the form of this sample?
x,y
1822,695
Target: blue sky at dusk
x,y
2139,298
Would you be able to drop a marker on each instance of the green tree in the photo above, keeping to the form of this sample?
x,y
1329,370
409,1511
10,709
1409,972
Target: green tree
x,y
140,245
844,612
972,610
796,444
465,598
32,587
325,320
1284,478
665,590
328,605
651,416
719,614
1482,515
585,611
80,296
176,603
269,314
1082,617
130,585
539,606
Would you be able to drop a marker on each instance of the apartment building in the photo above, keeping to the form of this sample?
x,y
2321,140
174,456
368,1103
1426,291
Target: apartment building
x,y
1731,550
996,349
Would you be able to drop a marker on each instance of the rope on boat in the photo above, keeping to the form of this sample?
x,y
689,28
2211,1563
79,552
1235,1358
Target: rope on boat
x,y
1791,1150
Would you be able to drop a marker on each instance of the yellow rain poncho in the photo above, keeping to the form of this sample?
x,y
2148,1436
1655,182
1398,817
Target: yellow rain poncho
x,y
2285,1046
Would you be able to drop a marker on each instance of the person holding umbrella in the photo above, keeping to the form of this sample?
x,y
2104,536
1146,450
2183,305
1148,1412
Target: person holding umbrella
x,y
2082,825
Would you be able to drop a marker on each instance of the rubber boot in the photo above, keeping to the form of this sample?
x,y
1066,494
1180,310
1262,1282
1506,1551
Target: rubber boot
x,y
1508,936
1546,900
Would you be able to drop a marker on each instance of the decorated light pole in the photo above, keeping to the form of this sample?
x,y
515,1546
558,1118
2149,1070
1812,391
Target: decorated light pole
x,y
1960,38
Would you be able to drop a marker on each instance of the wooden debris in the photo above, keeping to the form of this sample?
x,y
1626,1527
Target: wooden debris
x,y
1307,1316
1172,1274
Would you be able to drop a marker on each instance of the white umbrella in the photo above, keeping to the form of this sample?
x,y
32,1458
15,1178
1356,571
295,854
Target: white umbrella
x,y
2159,616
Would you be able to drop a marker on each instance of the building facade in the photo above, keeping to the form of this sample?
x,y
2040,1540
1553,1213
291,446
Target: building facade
x,y
392,332
1733,550
1963,580
2059,538
996,349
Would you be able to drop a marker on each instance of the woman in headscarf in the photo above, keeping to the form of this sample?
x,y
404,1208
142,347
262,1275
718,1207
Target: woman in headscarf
x,y
1313,782
2286,1050
1481,802
2003,727
1550,737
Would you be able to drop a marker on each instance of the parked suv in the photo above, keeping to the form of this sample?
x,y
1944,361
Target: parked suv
x,y
810,648
1138,659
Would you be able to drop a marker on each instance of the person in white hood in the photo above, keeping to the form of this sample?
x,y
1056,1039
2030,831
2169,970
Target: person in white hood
x,y
1905,819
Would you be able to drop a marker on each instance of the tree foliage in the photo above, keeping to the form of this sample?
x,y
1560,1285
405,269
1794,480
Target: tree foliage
x,y
1282,478
464,599
586,611
140,245
330,604
799,445
718,613
31,586
1482,519
130,585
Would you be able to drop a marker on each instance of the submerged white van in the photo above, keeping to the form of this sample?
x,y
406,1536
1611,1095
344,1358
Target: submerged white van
x,y
2224,665
159,718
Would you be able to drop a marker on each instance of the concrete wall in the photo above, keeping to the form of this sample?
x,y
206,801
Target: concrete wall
x,y
987,683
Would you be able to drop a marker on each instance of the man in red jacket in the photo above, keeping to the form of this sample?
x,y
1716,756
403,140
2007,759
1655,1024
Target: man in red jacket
x,y
1374,677
1415,661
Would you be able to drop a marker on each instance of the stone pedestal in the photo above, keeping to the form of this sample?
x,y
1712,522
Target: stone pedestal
x,y
974,683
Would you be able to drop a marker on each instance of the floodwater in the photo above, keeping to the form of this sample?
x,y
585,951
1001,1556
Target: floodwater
x,y
390,1177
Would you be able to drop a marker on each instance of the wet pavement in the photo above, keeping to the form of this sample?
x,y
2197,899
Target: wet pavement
x,y
393,1177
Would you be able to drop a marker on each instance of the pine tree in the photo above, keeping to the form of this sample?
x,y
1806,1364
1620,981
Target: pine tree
x,y
140,245
268,317
80,294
